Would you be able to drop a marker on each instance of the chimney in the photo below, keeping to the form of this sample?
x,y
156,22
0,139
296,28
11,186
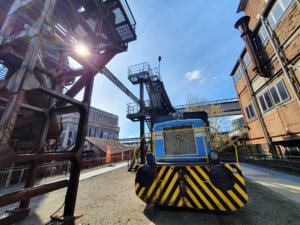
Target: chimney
x,y
242,25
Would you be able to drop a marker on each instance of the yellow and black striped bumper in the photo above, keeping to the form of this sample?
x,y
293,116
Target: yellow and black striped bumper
x,y
190,186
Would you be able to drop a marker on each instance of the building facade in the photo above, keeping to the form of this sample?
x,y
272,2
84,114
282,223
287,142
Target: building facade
x,y
266,75
100,124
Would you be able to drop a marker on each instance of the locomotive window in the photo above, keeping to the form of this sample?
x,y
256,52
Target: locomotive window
x,y
179,140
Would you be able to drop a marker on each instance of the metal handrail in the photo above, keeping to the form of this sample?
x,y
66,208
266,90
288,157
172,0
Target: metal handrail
x,y
128,11
135,149
227,100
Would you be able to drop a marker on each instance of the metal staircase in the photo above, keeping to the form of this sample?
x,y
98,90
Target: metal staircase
x,y
159,102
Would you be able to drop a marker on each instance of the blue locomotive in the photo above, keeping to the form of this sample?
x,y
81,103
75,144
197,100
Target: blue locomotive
x,y
184,170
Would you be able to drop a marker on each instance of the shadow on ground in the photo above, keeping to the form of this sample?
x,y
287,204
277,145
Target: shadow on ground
x,y
264,207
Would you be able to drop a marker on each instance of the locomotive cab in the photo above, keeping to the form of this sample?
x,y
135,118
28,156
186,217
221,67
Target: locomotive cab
x,y
183,140
184,170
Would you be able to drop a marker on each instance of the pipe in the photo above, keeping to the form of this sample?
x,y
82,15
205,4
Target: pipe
x,y
280,59
242,26
256,107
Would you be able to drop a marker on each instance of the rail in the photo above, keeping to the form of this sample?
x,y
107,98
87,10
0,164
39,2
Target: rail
x,y
129,14
213,102
286,163
134,107
18,174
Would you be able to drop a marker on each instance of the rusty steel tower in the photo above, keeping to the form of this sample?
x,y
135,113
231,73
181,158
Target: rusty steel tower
x,y
39,40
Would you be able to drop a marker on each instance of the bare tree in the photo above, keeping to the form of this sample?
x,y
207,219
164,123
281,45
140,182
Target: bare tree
x,y
214,111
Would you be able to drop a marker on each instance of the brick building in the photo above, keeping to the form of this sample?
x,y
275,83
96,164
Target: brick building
x,y
101,124
266,75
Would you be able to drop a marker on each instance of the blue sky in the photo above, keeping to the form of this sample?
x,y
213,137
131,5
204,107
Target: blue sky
x,y
198,45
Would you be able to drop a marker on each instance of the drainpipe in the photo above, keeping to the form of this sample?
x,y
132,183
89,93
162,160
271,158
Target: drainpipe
x,y
242,26
256,107
284,68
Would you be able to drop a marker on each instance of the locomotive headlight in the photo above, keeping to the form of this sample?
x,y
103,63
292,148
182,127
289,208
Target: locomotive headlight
x,y
213,155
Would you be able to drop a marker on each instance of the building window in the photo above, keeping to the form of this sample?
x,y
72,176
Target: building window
x,y
279,93
261,37
238,73
277,11
105,134
92,132
100,133
250,111
3,71
265,101
246,60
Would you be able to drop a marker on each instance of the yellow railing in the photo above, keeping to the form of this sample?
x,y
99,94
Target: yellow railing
x,y
135,149
222,135
207,132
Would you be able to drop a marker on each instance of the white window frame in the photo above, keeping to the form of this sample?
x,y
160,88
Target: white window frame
x,y
238,73
262,36
278,93
246,60
284,9
248,112
265,102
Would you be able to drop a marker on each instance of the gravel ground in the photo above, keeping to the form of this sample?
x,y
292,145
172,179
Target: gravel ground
x,y
110,199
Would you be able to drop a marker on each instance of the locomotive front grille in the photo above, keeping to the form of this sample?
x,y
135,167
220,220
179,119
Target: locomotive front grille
x,y
179,140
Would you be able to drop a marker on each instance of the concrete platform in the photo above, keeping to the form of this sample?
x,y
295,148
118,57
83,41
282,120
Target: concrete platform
x,y
285,184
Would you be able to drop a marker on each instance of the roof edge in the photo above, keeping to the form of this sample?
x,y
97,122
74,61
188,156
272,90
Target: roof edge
x,y
242,6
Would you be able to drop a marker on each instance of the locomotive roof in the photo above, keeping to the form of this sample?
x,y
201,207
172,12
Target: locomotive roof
x,y
185,115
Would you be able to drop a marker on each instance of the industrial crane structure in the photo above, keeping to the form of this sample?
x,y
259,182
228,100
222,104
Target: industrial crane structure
x,y
38,40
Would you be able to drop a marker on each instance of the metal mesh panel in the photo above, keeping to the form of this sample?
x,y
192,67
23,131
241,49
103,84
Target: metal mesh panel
x,y
179,140
92,24
125,32
3,71
80,31
119,17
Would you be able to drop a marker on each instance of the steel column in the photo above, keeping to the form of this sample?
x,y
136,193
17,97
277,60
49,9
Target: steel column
x,y
71,195
142,124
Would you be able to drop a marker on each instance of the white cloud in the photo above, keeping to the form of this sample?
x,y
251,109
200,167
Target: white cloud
x,y
193,75
196,75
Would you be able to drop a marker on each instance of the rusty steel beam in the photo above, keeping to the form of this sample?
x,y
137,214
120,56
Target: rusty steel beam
x,y
30,182
60,96
33,69
78,86
69,74
14,215
71,195
64,110
7,199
